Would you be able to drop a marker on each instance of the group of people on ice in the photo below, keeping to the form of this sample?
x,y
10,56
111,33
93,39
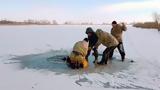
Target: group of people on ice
x,y
82,49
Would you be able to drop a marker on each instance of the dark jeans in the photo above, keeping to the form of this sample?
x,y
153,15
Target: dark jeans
x,y
106,54
95,53
121,51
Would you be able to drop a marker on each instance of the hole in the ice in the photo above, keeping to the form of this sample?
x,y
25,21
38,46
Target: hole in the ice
x,y
40,62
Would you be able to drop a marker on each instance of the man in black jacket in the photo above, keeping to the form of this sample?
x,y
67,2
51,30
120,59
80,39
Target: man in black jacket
x,y
92,37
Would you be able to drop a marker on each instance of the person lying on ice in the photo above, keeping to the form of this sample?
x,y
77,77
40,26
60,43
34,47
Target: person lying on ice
x,y
77,59
107,40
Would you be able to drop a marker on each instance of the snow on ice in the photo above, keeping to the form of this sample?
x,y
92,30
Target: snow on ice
x,y
24,50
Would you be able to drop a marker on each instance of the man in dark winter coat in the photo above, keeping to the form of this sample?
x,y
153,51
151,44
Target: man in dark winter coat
x,y
92,37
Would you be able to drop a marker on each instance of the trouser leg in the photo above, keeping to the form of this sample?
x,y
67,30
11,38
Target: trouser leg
x,y
105,56
108,54
111,54
95,53
121,50
88,53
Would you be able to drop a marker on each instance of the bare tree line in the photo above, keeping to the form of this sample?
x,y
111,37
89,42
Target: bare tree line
x,y
156,18
28,22
153,25
44,22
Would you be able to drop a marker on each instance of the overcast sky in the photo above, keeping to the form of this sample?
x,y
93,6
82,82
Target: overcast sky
x,y
96,11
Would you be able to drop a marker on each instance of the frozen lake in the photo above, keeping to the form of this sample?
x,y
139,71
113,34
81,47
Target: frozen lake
x,y
23,50
26,38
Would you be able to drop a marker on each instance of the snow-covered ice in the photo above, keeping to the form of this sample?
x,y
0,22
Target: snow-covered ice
x,y
24,49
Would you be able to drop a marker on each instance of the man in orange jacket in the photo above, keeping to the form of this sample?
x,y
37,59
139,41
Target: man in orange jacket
x,y
77,58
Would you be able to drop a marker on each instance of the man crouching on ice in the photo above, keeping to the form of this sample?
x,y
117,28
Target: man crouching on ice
x,y
77,59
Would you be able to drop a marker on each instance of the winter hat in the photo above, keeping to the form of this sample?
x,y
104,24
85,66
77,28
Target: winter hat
x,y
114,22
85,39
89,30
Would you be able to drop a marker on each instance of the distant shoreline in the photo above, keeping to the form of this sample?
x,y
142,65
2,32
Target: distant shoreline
x,y
47,24
147,25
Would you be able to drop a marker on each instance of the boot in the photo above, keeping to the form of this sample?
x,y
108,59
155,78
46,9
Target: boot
x,y
106,61
95,61
101,62
123,58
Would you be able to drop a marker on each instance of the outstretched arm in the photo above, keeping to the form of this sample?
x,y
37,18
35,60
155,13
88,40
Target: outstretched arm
x,y
124,28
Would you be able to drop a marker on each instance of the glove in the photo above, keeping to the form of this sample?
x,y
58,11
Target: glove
x,y
94,49
89,48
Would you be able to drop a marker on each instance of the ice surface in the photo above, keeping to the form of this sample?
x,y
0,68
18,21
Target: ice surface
x,y
24,50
